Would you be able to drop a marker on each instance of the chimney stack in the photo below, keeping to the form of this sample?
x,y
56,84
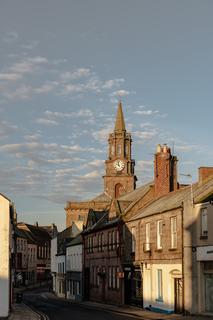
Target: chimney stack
x,y
204,173
165,171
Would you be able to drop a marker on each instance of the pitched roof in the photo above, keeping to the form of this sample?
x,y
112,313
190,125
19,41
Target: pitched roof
x,y
119,123
127,201
173,200
137,193
34,234
102,197
77,240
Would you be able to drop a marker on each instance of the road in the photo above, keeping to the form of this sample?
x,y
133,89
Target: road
x,y
64,310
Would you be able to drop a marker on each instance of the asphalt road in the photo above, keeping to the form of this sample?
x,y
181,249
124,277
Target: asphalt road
x,y
57,309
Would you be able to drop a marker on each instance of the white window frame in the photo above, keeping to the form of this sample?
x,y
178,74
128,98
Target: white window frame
x,y
159,234
147,232
204,222
173,223
160,284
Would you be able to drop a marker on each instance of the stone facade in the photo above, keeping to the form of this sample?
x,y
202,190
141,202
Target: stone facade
x,y
119,177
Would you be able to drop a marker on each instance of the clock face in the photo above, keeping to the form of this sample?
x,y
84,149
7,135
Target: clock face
x,y
119,165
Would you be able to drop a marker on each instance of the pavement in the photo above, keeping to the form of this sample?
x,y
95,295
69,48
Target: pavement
x,y
22,312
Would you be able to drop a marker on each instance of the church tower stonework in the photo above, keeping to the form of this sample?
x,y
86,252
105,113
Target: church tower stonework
x,y
120,167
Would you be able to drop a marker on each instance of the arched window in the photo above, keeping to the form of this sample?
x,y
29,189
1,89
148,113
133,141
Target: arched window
x,y
118,150
118,190
126,149
112,149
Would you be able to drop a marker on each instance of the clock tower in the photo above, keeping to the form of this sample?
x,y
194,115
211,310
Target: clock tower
x,y
119,178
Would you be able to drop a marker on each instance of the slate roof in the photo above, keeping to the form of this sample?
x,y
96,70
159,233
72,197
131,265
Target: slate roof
x,y
102,197
77,240
137,193
174,200
34,234
127,201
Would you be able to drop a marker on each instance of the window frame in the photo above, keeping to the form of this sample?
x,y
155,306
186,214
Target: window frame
x,y
159,234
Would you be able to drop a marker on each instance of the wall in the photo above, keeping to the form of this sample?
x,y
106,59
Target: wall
x,y
4,256
74,258
150,285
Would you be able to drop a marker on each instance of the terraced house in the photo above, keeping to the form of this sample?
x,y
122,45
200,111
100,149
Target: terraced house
x,y
149,245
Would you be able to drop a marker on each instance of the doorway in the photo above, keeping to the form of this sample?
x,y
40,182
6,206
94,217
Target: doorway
x,y
178,287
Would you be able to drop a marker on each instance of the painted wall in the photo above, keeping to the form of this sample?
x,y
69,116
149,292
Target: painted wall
x,y
74,258
5,234
150,285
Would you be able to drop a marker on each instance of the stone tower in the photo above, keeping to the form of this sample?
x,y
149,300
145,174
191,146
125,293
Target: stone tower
x,y
119,178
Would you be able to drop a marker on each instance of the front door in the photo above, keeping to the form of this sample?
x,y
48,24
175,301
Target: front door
x,y
178,295
86,283
209,292
127,284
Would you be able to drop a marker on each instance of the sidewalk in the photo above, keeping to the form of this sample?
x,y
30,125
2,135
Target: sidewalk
x,y
21,311
130,310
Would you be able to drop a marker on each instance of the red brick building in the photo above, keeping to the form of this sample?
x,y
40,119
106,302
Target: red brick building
x,y
103,246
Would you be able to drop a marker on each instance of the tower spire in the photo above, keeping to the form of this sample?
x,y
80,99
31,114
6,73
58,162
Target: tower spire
x,y
119,123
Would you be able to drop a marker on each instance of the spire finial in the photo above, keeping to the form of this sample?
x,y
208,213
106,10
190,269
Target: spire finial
x,y
119,123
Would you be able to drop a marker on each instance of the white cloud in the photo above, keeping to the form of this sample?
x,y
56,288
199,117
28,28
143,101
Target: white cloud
x,y
48,122
146,112
145,135
11,37
77,74
92,175
120,93
102,135
22,92
30,45
47,87
109,84
144,166
28,65
10,76
7,129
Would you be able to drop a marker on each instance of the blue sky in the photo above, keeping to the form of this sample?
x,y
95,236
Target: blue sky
x,y
63,67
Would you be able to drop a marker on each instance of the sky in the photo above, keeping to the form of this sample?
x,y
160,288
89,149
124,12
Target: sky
x,y
63,67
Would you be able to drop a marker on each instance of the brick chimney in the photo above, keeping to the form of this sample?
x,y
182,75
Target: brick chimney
x,y
165,171
204,173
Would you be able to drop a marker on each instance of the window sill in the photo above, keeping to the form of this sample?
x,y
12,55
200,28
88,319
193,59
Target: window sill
x,y
159,250
172,249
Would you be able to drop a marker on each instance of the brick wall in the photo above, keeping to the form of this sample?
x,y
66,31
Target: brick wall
x,y
204,173
166,253
165,171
